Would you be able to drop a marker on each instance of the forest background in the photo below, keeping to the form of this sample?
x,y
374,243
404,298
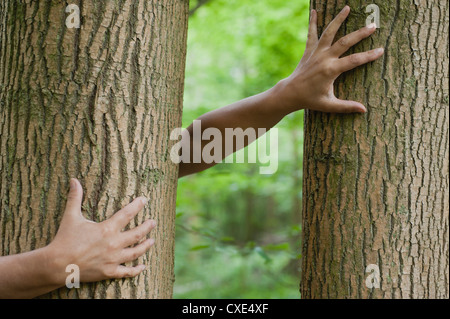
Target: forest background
x,y
238,232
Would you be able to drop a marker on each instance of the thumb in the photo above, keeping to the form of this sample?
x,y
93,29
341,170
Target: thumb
x,y
74,198
345,106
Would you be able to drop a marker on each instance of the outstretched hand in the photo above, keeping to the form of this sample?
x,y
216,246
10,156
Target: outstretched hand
x,y
311,84
99,249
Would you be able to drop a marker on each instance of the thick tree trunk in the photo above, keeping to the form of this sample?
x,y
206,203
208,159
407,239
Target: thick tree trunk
x,y
376,187
96,103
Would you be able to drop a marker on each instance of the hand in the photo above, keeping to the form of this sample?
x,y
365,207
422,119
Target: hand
x,y
311,84
99,249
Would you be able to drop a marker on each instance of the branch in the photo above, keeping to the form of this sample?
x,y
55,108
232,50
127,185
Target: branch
x,y
199,4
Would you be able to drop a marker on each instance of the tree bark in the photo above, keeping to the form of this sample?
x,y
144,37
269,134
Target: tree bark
x,y
96,103
376,187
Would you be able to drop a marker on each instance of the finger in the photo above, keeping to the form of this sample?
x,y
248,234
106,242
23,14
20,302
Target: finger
x,y
74,199
312,31
127,272
126,214
346,106
328,35
312,34
134,235
343,44
130,254
352,61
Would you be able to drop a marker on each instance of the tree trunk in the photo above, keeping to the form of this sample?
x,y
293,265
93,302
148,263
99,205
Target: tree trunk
x,y
96,103
376,187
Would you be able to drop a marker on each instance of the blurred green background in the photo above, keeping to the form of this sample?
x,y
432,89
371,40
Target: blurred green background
x,y
238,232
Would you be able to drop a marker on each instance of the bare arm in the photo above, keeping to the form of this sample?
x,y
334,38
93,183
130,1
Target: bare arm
x,y
26,275
98,249
309,86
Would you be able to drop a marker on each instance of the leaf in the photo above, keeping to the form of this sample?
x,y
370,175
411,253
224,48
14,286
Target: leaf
x,y
179,214
262,253
199,247
282,246
296,228
250,244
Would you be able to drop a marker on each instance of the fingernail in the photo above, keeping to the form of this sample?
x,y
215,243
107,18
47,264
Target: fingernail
x,y
72,184
153,223
142,267
379,51
144,201
152,241
372,26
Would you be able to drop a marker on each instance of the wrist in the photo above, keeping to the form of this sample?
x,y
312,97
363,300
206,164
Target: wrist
x,y
54,266
287,97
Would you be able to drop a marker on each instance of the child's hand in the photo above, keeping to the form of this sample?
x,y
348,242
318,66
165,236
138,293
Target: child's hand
x,y
99,249
311,84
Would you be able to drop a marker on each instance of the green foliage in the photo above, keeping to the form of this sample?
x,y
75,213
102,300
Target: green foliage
x,y
238,231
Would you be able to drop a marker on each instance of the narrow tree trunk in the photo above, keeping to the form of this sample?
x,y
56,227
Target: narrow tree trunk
x,y
376,187
96,103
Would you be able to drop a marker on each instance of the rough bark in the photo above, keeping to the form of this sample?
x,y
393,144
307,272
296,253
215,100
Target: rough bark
x,y
96,103
376,186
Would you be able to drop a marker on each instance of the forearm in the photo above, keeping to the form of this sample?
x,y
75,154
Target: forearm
x,y
262,111
28,275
